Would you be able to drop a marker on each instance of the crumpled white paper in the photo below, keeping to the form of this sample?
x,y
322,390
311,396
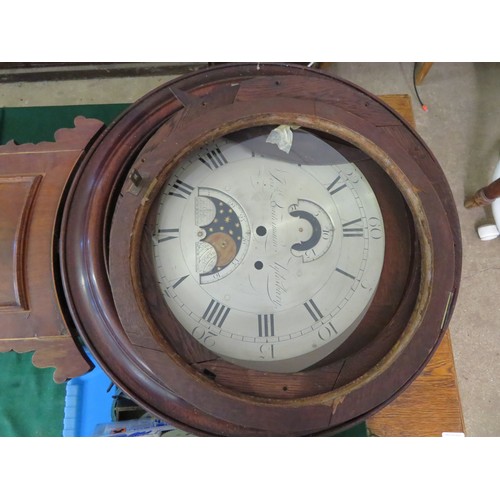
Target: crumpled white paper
x,y
282,136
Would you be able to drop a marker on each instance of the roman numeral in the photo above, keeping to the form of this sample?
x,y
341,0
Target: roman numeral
x,y
181,189
216,313
170,234
213,159
179,281
335,187
266,325
175,285
313,310
350,232
345,273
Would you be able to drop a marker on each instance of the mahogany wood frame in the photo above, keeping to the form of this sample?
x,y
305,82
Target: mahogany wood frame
x,y
188,113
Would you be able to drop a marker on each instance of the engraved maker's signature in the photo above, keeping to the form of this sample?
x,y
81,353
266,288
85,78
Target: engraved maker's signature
x,y
277,204
276,287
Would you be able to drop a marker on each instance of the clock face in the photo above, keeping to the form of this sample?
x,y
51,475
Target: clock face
x,y
268,258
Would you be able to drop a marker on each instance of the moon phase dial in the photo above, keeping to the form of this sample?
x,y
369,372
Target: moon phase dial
x,y
222,230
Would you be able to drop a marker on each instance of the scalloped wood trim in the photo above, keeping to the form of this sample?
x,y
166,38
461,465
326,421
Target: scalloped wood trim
x,y
65,139
60,353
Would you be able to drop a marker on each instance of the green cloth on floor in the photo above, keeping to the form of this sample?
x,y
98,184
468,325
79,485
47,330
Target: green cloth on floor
x,y
39,123
358,430
31,404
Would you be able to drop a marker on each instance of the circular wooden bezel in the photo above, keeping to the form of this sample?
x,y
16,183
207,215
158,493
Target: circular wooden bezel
x,y
143,308
183,116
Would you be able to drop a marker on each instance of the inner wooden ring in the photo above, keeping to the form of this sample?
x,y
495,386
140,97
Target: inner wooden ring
x,y
362,143
395,297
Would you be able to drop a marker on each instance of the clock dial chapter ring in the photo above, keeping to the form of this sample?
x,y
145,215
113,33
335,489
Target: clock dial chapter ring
x,y
317,408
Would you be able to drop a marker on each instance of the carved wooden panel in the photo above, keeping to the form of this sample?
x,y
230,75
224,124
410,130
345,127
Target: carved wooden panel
x,y
33,183
16,197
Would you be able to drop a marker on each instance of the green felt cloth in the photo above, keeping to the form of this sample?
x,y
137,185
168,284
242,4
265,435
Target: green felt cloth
x,y
31,403
39,123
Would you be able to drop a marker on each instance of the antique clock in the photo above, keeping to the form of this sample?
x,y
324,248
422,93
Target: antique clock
x,y
260,250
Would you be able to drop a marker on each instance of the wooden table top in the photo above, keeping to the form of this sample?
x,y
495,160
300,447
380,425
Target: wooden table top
x,y
431,404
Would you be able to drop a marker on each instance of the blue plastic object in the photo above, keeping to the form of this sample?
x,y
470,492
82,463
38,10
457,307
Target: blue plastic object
x,y
88,402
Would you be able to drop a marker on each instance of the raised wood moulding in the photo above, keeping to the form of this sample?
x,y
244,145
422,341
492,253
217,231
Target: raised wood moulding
x,y
16,197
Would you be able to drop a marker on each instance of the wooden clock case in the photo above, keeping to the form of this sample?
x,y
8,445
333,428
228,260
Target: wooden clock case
x,y
107,277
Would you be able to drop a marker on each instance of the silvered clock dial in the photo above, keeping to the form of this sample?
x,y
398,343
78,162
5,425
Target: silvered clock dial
x,y
269,259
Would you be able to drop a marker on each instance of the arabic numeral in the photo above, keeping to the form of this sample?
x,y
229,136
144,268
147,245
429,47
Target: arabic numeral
x,y
310,254
326,332
353,176
375,228
266,351
204,336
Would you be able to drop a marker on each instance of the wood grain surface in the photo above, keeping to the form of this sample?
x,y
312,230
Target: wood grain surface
x,y
431,404
421,72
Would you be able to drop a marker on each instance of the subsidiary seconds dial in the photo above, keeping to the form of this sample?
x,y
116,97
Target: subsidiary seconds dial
x,y
268,259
